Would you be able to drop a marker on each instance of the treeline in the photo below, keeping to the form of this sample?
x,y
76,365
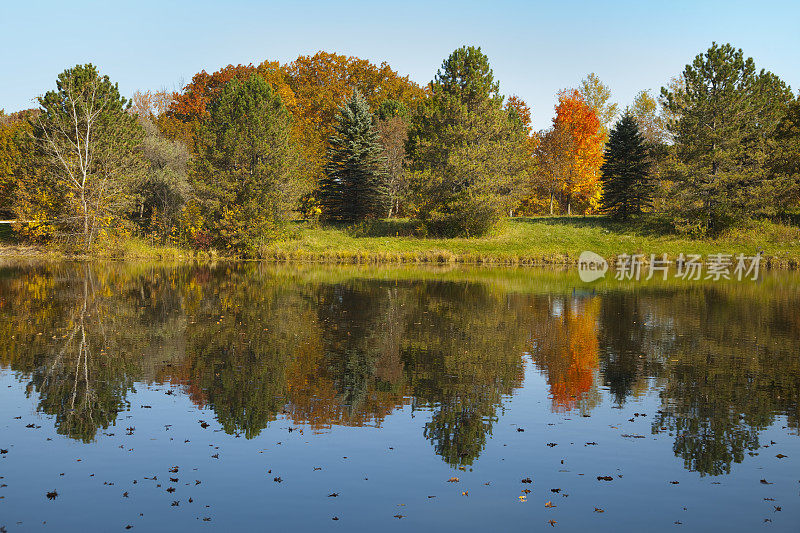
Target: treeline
x,y
231,158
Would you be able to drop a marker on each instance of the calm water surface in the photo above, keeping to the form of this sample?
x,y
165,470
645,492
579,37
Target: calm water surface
x,y
353,399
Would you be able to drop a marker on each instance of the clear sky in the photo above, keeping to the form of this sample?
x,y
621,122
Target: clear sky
x,y
536,48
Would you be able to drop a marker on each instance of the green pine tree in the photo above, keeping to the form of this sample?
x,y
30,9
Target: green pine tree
x,y
467,153
725,113
627,187
247,170
354,186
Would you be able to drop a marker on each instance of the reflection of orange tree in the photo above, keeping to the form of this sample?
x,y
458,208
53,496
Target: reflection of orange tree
x,y
565,348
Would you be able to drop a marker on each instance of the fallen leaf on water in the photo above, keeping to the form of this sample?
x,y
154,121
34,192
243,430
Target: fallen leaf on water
x,y
333,494
399,516
552,523
781,456
765,482
549,504
523,498
453,480
598,510
52,495
605,478
465,493
527,480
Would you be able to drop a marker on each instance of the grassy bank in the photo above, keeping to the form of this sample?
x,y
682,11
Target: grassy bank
x,y
517,241
535,241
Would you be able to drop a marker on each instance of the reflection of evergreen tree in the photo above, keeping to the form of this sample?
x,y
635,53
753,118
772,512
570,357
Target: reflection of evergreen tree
x,y
463,352
458,431
359,327
729,375
626,343
244,336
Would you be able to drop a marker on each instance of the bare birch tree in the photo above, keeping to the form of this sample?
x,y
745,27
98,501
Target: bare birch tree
x,y
91,147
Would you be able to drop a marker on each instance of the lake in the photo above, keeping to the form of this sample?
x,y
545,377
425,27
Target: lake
x,y
277,397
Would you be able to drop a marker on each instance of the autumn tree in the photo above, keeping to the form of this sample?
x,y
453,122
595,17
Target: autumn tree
x,y
90,145
627,187
552,164
726,113
570,154
247,174
392,127
597,95
164,189
355,182
16,150
323,81
519,112
466,152
652,125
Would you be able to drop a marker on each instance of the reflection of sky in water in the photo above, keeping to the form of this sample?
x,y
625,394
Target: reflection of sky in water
x,y
594,369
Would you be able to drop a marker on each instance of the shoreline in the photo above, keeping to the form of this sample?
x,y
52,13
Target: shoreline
x,y
523,241
345,258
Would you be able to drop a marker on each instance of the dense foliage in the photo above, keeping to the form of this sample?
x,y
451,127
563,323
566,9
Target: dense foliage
x,y
227,160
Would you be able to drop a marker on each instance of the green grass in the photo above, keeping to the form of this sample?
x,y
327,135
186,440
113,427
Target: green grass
x,y
517,241
539,240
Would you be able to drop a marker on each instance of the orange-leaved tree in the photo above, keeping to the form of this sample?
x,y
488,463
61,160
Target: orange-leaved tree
x,y
577,154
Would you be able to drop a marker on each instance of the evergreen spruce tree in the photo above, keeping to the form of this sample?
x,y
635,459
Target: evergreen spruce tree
x,y
627,187
354,186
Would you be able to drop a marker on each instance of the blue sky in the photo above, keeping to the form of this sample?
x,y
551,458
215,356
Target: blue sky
x,y
536,48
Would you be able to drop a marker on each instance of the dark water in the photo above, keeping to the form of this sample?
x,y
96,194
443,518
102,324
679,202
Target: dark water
x,y
311,398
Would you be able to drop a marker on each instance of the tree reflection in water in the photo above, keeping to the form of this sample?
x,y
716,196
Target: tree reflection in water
x,y
328,347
